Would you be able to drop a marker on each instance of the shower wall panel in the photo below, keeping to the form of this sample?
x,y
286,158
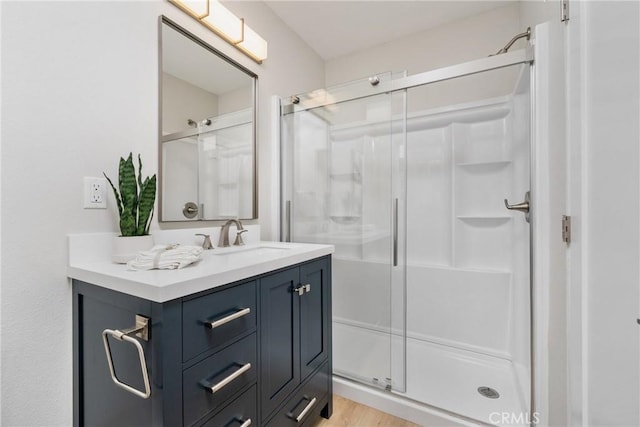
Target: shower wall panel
x,y
429,207
459,308
460,241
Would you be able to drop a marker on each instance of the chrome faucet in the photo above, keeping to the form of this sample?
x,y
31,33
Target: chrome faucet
x,y
224,234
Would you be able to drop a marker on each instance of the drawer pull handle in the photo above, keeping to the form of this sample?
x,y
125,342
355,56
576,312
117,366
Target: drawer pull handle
x,y
304,412
216,387
229,318
244,423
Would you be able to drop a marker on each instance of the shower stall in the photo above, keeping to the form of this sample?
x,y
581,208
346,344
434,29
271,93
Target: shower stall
x,y
420,182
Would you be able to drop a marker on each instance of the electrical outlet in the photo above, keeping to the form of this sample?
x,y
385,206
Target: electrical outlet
x,y
95,193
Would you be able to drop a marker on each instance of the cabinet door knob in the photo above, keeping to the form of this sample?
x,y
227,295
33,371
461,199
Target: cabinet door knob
x,y
301,289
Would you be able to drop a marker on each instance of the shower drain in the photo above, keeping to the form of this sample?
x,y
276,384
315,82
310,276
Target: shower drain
x,y
488,392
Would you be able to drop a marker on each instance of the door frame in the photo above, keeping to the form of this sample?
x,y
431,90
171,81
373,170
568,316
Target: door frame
x,y
548,197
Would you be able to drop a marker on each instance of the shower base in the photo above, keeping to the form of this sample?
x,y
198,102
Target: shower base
x,y
441,381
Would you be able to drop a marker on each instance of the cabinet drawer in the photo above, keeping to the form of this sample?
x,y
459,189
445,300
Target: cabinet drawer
x,y
212,320
210,383
304,404
240,411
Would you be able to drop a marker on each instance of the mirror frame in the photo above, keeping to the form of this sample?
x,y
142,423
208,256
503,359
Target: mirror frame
x,y
164,20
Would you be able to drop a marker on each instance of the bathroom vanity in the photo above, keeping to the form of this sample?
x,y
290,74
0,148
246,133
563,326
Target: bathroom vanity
x,y
241,338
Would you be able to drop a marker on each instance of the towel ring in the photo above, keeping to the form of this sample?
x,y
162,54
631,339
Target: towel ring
x,y
141,330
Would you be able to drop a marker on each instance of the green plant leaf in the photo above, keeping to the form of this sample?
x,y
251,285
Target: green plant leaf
x,y
140,173
147,200
129,195
115,193
127,224
135,198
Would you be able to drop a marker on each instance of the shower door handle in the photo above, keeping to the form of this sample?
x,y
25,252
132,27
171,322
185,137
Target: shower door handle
x,y
288,220
395,233
521,207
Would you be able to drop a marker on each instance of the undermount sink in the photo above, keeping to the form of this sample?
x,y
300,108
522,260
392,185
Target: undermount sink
x,y
252,250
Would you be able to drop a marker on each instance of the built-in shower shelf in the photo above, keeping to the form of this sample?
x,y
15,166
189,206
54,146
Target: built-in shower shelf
x,y
349,176
497,164
433,118
413,264
498,219
344,237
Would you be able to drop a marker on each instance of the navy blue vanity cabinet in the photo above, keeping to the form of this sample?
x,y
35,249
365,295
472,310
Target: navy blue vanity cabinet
x,y
97,401
295,347
251,352
201,358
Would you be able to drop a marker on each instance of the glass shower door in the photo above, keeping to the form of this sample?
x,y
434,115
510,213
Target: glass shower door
x,y
342,187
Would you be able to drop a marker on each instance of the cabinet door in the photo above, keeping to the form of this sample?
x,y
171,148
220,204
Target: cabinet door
x,y
280,338
315,316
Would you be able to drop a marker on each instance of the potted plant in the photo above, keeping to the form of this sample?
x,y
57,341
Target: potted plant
x,y
135,199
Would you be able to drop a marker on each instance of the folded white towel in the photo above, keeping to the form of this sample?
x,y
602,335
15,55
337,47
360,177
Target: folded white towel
x,y
165,257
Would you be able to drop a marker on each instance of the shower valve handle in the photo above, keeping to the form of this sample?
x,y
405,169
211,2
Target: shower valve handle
x,y
521,207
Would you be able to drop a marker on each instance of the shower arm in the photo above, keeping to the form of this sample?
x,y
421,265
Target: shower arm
x,y
517,37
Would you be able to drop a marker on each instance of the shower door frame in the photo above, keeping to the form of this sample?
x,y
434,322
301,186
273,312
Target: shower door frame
x,y
538,305
522,56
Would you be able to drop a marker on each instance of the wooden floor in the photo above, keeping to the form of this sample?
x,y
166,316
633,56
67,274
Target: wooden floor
x,y
349,413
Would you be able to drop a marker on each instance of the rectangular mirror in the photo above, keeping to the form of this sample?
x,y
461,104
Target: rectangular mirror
x,y
207,144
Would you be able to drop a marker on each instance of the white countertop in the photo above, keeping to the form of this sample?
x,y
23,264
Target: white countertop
x,y
217,267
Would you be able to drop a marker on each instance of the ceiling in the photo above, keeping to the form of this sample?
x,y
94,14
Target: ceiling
x,y
337,28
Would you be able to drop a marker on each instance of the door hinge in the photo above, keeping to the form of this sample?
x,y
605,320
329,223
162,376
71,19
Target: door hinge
x,y
564,4
566,229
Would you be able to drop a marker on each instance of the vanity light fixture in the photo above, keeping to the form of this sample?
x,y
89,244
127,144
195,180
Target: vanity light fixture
x,y
254,46
217,18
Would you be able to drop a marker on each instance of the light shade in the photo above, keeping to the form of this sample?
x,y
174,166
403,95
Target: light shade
x,y
213,15
253,45
196,8
224,23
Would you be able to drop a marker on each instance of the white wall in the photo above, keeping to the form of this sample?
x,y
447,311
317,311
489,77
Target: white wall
x,y
1,369
449,44
452,43
79,89
235,100
605,95
182,101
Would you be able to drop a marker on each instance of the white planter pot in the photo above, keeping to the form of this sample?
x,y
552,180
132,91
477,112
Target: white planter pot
x,y
125,248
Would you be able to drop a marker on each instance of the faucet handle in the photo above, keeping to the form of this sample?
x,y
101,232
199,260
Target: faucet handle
x,y
239,241
206,244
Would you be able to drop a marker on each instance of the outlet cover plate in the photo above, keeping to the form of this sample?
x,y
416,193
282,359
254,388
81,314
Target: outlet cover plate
x,y
95,193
